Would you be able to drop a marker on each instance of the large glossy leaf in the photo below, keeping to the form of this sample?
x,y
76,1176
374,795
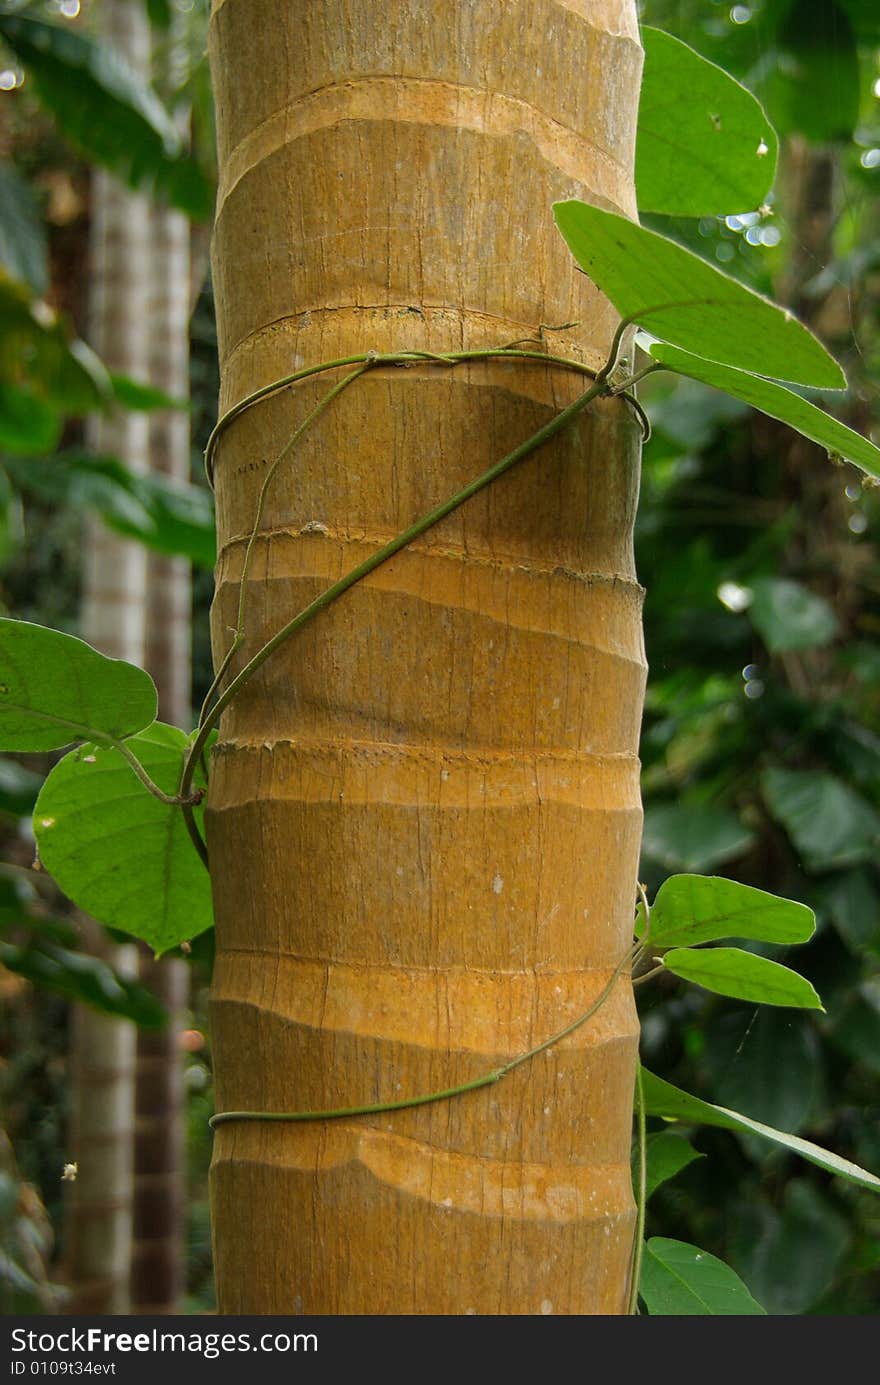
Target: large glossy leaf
x,y
663,1099
685,301
742,975
55,689
828,823
704,144
774,400
104,107
170,517
119,852
691,909
23,249
684,837
679,1280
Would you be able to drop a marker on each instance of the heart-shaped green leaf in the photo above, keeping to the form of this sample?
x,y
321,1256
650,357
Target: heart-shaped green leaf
x,y
704,144
691,909
679,1280
775,401
731,971
119,852
55,689
679,297
662,1099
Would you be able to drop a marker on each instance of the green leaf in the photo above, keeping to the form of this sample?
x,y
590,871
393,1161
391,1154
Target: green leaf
x,y
28,423
854,905
682,837
679,1280
662,1099
691,909
790,1260
767,1064
734,972
88,980
141,398
828,823
55,689
160,13
23,247
171,517
813,85
104,107
40,355
857,1029
11,518
116,850
667,1154
704,144
679,297
787,615
776,401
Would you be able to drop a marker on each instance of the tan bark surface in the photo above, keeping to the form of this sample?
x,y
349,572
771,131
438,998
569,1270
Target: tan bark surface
x,y
424,817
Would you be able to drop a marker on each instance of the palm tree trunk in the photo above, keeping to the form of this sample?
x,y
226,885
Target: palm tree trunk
x,y
424,815
99,1207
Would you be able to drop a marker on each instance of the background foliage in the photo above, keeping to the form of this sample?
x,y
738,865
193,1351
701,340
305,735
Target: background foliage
x,y
760,746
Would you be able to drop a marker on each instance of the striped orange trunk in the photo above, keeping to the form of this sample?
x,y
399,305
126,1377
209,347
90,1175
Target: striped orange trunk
x,y
424,816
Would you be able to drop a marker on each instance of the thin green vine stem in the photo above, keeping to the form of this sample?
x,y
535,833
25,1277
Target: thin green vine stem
x,y
649,975
639,1234
445,1094
238,635
372,359
635,1268
369,565
173,800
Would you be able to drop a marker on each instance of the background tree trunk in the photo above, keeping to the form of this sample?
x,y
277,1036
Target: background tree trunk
x,y
424,815
99,1207
158,1264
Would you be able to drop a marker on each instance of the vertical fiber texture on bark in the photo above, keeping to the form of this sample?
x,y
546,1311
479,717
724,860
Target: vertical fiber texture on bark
x,y
424,812
99,1204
